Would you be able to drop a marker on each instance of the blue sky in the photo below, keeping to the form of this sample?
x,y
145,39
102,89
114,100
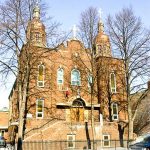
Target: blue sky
x,y
68,13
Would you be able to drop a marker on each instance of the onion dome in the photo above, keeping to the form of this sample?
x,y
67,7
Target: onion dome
x,y
102,42
35,33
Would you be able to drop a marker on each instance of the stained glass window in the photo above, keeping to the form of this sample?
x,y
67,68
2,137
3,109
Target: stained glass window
x,y
114,111
39,108
41,70
113,82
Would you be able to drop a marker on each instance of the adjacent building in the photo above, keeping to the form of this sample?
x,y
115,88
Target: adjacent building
x,y
4,122
142,119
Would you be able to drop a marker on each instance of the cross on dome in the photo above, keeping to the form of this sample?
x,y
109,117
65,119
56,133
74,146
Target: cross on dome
x,y
37,2
100,13
100,23
74,30
36,10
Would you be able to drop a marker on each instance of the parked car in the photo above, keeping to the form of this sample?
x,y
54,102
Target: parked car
x,y
141,142
2,141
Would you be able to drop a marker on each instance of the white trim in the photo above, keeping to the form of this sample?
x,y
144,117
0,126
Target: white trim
x,y
14,123
3,127
42,113
114,116
106,140
29,115
62,77
72,141
2,132
79,80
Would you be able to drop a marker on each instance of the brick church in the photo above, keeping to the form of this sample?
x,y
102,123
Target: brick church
x,y
64,96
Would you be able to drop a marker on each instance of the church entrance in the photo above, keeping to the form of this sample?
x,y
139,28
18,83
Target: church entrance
x,y
77,110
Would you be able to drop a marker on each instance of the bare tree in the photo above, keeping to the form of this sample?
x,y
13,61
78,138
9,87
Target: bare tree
x,y
15,15
87,32
131,43
88,26
100,64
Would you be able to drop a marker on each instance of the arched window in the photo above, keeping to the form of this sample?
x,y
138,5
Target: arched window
x,y
41,69
37,37
113,82
114,107
78,103
75,77
60,76
99,48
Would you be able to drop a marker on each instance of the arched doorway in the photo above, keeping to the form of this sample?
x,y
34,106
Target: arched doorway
x,y
77,110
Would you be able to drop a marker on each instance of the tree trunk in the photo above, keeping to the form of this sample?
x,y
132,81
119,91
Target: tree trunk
x,y
87,135
130,136
22,109
130,125
121,132
109,109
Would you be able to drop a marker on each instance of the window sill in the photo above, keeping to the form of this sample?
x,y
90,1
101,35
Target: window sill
x,y
76,85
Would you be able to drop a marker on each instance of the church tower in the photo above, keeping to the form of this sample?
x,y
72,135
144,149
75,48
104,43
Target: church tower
x,y
102,42
35,33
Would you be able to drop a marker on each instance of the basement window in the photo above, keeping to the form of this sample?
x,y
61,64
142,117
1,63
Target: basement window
x,y
106,140
71,141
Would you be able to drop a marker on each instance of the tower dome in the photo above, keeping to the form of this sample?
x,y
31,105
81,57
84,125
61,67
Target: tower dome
x,y
35,33
102,42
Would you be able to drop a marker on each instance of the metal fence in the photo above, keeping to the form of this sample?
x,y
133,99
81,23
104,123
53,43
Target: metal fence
x,y
74,145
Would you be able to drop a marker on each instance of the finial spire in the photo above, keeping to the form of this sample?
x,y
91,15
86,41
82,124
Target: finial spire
x,y
74,30
36,10
100,23
100,14
37,2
